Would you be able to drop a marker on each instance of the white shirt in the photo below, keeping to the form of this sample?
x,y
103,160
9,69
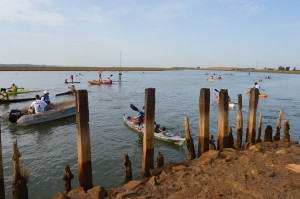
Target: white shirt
x,y
39,106
257,86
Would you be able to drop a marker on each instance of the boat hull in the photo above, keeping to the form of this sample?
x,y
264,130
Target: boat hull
x,y
65,93
262,96
98,83
163,135
19,92
15,100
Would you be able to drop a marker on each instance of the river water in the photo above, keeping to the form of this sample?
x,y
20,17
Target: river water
x,y
46,148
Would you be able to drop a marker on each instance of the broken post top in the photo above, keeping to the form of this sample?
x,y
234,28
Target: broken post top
x,y
16,153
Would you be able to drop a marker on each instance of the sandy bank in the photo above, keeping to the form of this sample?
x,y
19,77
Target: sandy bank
x,y
258,172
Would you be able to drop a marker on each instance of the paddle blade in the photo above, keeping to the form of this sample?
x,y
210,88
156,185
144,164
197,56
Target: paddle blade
x,y
133,107
216,90
21,88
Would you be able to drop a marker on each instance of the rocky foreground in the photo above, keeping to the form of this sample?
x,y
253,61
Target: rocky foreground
x,y
265,170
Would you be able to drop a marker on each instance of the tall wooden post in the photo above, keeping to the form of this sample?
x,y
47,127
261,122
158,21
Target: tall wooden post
x,y
204,105
251,125
2,189
85,178
223,120
260,123
189,140
278,127
148,140
19,188
239,124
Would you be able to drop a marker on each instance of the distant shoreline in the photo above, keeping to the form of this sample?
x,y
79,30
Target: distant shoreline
x,y
59,68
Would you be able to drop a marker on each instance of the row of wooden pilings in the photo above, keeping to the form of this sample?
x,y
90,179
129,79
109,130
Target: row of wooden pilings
x,y
206,142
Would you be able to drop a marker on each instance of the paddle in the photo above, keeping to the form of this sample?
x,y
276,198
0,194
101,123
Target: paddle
x,y
134,108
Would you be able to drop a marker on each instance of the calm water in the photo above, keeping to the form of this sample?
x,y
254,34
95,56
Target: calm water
x,y
47,148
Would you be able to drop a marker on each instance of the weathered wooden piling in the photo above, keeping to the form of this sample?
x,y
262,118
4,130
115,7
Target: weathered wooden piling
x,y
189,140
223,120
251,124
2,189
19,186
268,134
286,128
260,123
278,127
204,105
230,138
239,124
212,145
85,178
159,160
127,168
68,176
148,140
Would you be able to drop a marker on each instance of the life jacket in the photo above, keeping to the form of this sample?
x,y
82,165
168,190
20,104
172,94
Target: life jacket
x,y
5,95
14,88
46,99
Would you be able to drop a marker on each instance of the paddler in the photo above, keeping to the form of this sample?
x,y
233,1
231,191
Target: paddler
x,y
46,97
100,77
120,75
38,106
212,77
13,88
72,87
140,116
72,78
4,94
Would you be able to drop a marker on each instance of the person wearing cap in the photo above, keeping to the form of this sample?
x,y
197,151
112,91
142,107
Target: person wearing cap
x,y
4,94
46,97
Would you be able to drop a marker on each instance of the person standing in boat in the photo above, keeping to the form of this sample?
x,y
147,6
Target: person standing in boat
x,y
38,106
72,78
120,75
100,77
4,94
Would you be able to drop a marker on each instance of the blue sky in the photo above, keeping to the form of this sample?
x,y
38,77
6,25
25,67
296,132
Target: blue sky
x,y
151,33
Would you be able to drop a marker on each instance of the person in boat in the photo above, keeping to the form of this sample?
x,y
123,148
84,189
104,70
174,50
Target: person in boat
x,y
256,86
38,106
66,81
212,77
4,94
120,75
220,77
109,80
72,87
140,116
13,88
46,97
72,78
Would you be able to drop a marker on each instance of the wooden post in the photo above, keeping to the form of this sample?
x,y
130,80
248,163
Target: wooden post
x,y
68,176
230,138
85,178
19,186
278,127
251,125
189,140
159,160
2,189
204,105
148,140
258,140
127,168
223,120
212,145
286,128
239,124
268,134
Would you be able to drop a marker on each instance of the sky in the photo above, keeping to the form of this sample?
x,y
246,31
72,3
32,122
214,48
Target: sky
x,y
151,33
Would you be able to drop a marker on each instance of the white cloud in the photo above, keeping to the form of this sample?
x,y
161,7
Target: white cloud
x,y
30,12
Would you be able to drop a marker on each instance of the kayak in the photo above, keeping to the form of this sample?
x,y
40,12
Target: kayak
x,y
98,83
160,134
230,104
259,80
15,100
210,80
65,93
220,77
19,92
264,96
59,110
70,82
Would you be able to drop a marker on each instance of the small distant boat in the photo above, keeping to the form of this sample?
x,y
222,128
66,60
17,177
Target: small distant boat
x,y
263,96
220,77
59,110
228,73
98,83
15,100
210,80
214,74
259,79
268,77
206,74
71,82
230,104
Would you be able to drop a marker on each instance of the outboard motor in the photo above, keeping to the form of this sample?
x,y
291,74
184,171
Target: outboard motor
x,y
14,115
